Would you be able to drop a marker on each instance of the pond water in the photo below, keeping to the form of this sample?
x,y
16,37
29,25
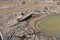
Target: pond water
x,y
50,25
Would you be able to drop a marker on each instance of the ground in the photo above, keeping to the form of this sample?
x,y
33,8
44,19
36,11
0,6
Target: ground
x,y
13,30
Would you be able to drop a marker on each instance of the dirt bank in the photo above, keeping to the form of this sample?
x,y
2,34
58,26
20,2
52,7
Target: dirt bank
x,y
31,23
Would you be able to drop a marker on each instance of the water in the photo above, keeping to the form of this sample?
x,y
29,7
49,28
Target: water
x,y
50,25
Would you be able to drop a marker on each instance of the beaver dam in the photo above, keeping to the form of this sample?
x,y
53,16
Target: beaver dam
x,y
50,25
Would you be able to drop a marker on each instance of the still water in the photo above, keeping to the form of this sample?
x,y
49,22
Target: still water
x,y
50,25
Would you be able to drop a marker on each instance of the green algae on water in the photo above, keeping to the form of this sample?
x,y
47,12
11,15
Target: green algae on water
x,y
50,25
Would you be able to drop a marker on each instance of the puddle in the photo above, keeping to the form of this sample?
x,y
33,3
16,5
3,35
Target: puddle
x,y
50,25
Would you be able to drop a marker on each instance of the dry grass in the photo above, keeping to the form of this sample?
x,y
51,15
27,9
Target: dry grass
x,y
26,6
5,3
